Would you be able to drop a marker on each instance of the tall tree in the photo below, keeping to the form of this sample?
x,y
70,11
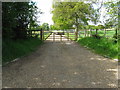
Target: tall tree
x,y
113,9
16,18
45,26
67,14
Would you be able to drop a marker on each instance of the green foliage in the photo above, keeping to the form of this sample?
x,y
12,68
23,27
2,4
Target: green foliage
x,y
14,49
54,27
45,26
34,26
91,26
119,48
112,11
16,17
101,27
67,14
103,46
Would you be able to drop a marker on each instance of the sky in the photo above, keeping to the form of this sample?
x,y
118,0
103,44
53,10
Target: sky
x,y
46,7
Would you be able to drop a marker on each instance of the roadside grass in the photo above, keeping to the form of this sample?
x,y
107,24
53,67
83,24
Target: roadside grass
x,y
103,46
14,49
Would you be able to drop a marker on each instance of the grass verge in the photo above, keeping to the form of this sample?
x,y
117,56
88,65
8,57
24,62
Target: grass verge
x,y
14,49
103,46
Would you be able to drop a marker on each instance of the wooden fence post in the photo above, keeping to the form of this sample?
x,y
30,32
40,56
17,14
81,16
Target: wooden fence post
x,y
105,32
53,36
41,35
60,37
90,32
68,35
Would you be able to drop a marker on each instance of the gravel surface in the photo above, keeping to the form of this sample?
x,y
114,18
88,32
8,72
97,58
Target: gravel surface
x,y
61,64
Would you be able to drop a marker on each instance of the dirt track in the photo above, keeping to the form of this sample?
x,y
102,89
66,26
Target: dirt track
x,y
61,65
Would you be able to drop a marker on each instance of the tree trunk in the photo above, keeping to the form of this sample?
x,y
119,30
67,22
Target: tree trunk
x,y
116,32
76,34
96,31
90,32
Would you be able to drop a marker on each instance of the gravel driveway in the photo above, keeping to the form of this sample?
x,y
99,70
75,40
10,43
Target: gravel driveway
x,y
59,64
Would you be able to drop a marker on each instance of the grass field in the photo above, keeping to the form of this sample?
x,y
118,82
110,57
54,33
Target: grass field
x,y
14,49
100,33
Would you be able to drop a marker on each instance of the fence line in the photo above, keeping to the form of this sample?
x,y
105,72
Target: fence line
x,y
42,34
108,33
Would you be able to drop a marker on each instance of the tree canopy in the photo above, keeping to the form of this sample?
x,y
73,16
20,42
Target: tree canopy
x,y
67,14
17,17
113,12
45,26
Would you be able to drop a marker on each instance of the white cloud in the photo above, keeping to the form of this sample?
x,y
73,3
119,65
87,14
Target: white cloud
x,y
46,7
